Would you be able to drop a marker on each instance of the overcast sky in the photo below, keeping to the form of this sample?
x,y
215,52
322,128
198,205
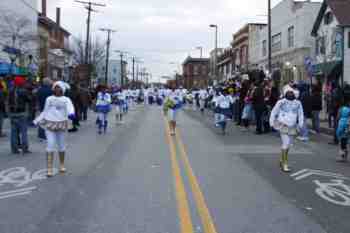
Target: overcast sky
x,y
162,31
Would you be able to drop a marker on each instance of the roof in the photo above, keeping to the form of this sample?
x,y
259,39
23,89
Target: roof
x,y
192,59
340,9
49,22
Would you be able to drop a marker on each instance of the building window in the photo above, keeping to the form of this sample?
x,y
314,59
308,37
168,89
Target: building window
x,y
195,70
328,18
291,37
276,43
348,40
320,46
264,48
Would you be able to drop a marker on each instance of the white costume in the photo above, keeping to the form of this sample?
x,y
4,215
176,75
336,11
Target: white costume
x,y
103,107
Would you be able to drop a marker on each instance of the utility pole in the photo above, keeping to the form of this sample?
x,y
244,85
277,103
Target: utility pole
x,y
121,71
216,50
133,71
109,31
88,6
201,51
270,36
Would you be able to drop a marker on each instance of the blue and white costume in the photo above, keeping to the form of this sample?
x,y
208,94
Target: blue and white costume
x,y
103,107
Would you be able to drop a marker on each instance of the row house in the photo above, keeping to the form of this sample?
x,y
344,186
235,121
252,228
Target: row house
x,y
213,53
195,72
55,54
18,37
226,64
292,43
332,32
243,43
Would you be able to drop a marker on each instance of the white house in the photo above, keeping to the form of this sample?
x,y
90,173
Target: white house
x,y
332,31
21,16
292,43
114,72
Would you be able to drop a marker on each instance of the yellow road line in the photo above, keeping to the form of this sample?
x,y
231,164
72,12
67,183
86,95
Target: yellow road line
x,y
207,221
181,196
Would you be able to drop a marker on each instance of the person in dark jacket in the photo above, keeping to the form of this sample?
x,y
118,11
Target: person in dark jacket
x,y
316,98
17,104
306,101
2,110
335,103
74,95
259,106
85,100
43,93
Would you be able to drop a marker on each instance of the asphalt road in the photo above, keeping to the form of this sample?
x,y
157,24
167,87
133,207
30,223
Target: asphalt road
x,y
139,179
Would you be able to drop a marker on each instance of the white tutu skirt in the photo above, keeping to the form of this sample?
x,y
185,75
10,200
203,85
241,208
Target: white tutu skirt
x,y
172,115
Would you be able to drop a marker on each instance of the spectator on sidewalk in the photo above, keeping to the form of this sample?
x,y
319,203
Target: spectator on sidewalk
x,y
259,106
316,98
43,93
2,110
85,100
74,95
343,130
335,103
306,101
17,103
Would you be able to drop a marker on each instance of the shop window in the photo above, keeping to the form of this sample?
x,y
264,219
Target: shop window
x,y
264,48
291,37
276,42
328,18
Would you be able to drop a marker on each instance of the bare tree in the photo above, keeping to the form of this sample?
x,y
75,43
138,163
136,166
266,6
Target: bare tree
x,y
97,52
18,32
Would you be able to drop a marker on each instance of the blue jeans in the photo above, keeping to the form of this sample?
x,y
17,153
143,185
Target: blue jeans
x,y
1,122
305,131
19,133
316,121
41,133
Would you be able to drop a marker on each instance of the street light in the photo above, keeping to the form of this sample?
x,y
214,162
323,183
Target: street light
x,y
216,47
109,31
121,66
200,48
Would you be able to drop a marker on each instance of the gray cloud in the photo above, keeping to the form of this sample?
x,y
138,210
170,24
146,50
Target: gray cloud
x,y
161,31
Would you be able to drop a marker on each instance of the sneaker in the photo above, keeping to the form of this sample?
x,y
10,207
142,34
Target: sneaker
x,y
303,139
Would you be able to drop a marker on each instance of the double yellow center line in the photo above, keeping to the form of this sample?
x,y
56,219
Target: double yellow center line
x,y
186,225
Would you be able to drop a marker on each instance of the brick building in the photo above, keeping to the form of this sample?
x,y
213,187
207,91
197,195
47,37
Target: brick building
x,y
195,72
55,55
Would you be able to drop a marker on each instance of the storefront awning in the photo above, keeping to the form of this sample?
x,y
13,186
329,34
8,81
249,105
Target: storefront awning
x,y
328,69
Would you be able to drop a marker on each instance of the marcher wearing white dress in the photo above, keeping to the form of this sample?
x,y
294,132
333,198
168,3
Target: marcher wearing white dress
x,y
203,95
54,119
103,107
175,100
287,117
223,104
119,100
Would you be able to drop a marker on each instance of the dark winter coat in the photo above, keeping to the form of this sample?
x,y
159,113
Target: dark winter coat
x,y
43,93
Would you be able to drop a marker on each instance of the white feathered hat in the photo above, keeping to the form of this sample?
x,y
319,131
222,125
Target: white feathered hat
x,y
63,85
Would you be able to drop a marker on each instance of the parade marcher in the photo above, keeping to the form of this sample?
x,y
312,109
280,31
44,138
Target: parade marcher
x,y
172,104
103,107
43,93
119,100
286,117
343,130
54,119
223,103
203,95
17,103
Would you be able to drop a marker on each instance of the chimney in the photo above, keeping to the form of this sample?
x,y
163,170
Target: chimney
x,y
58,16
43,8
